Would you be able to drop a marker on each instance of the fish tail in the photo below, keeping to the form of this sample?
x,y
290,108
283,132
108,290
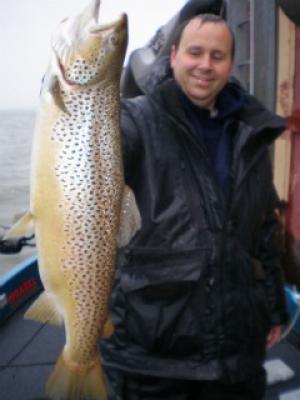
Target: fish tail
x,y
75,382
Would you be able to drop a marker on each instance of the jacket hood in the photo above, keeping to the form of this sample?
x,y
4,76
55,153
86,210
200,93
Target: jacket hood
x,y
266,125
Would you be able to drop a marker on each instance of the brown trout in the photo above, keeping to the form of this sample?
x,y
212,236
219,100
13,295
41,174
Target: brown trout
x,y
80,208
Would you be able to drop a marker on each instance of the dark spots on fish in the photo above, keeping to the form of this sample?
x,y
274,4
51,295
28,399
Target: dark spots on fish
x,y
84,168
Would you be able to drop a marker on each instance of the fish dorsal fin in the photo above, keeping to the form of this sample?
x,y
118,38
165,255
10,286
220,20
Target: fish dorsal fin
x,y
130,219
23,227
44,310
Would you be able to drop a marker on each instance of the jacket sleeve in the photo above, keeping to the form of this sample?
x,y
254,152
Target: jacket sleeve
x,y
130,138
269,254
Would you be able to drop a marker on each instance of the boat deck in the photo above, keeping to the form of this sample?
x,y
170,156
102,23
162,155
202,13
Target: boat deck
x,y
28,351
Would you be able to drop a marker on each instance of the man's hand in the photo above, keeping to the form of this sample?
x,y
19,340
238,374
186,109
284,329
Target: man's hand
x,y
273,336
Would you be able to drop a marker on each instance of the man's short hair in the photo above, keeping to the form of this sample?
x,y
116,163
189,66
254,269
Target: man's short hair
x,y
202,18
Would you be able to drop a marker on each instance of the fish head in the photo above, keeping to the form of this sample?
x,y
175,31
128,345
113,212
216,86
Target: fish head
x,y
87,53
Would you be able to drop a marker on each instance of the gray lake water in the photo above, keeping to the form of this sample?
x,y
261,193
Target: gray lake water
x,y
16,132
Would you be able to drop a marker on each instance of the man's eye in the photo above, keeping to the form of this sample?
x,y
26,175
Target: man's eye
x,y
195,52
218,56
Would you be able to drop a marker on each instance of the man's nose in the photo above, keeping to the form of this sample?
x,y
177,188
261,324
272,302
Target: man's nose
x,y
205,62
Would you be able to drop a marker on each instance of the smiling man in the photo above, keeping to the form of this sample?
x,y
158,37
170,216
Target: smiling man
x,y
199,293
202,60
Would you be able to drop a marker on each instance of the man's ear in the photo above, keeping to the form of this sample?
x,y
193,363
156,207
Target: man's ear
x,y
172,56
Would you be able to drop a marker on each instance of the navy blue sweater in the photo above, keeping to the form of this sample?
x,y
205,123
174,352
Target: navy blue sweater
x,y
213,129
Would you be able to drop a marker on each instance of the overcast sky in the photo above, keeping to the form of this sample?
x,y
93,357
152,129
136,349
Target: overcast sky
x,y
25,32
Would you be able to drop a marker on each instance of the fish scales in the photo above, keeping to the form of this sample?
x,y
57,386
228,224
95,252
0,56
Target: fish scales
x,y
90,174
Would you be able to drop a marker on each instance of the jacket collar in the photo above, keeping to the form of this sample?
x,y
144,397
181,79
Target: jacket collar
x,y
263,125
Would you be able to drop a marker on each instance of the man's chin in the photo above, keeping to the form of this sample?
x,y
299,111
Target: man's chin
x,y
202,101
202,94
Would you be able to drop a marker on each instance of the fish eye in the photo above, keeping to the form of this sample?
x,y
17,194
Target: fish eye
x,y
113,40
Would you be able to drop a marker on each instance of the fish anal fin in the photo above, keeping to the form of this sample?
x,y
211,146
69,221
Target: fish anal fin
x,y
108,328
76,381
44,310
23,227
130,219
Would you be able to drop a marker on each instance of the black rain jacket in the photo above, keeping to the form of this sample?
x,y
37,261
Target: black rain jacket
x,y
200,285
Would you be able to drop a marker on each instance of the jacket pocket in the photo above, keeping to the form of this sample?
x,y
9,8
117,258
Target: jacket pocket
x,y
163,298
247,318
259,323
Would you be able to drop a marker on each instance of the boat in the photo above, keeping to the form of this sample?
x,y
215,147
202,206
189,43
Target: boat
x,y
28,350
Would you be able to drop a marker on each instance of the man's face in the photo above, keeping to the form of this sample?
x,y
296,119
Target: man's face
x,y
202,62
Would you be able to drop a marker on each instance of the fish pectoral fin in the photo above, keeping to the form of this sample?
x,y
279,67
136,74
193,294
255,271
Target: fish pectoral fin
x,y
55,92
130,219
108,328
44,310
23,227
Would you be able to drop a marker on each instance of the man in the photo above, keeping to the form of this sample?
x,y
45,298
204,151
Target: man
x,y
198,295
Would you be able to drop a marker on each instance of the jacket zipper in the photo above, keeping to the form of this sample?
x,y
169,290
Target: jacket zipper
x,y
219,270
208,172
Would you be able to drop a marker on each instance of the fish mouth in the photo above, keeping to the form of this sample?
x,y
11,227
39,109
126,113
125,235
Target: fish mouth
x,y
98,29
74,31
95,9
